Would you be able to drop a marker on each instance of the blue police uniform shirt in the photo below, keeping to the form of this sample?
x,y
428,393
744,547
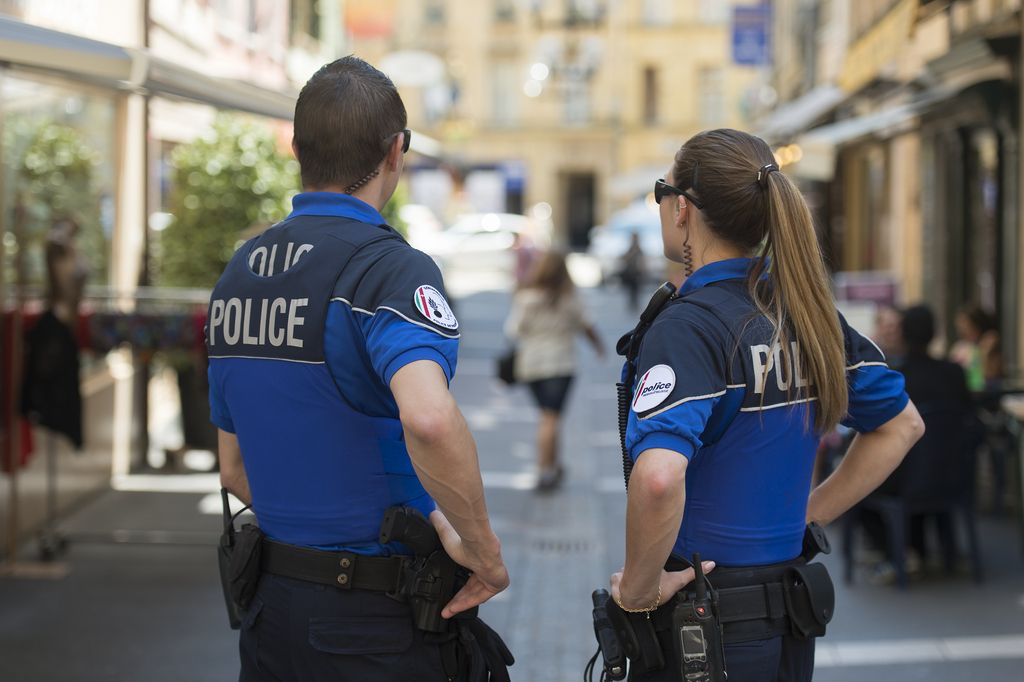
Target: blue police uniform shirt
x,y
701,390
307,326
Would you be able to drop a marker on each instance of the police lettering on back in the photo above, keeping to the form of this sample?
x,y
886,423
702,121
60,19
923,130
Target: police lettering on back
x,y
262,321
276,321
788,370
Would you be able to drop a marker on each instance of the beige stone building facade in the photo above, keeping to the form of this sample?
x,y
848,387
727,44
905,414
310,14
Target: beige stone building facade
x,y
576,104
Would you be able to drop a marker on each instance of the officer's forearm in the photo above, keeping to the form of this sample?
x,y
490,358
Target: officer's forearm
x,y
232,469
869,461
446,463
443,453
654,511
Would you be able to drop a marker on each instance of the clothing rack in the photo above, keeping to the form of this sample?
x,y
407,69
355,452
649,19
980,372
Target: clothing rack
x,y
98,300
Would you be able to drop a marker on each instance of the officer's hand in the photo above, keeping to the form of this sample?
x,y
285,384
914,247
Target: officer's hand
x,y
489,575
671,582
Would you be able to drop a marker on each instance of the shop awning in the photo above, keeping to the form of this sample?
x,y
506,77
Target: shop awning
x,y
797,116
818,146
169,79
123,68
42,48
129,69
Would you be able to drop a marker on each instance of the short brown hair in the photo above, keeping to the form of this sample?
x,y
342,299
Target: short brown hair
x,y
345,116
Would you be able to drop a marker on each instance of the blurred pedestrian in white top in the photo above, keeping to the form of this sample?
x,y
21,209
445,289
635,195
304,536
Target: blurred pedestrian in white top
x,y
546,317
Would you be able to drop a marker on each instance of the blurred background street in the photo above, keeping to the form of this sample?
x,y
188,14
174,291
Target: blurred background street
x,y
143,140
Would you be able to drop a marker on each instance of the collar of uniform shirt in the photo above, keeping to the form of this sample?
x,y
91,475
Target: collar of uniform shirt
x,y
730,268
335,204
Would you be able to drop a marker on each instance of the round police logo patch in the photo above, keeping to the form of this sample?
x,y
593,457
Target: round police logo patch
x,y
653,387
432,306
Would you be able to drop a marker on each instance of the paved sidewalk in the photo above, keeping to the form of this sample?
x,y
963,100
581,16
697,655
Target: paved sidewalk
x,y
133,610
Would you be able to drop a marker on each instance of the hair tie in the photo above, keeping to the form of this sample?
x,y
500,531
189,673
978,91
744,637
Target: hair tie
x,y
764,172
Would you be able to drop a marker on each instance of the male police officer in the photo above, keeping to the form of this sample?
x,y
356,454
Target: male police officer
x,y
331,348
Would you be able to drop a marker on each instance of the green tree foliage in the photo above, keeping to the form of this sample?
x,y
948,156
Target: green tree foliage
x,y
224,183
52,178
391,209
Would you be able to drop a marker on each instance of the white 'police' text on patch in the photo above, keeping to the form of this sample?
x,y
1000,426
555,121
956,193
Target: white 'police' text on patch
x,y
653,387
432,305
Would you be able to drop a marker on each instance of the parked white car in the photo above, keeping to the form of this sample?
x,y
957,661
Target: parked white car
x,y
481,242
610,241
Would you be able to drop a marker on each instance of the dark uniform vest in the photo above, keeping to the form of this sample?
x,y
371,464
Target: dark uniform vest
x,y
321,473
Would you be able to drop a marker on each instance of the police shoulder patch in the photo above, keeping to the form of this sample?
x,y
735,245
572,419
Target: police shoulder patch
x,y
433,306
653,387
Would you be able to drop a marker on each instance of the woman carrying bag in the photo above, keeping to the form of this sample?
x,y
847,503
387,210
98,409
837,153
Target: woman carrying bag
x,y
546,317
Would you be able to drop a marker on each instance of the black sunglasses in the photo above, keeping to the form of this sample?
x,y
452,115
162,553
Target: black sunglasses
x,y
662,189
408,138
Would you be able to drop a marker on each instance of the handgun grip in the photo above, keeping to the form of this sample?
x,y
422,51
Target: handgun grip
x,y
409,527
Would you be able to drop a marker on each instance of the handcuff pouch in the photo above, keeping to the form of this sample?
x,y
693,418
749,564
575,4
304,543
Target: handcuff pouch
x,y
810,599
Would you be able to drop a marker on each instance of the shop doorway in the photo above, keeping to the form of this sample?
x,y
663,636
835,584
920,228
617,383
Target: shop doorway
x,y
580,207
980,271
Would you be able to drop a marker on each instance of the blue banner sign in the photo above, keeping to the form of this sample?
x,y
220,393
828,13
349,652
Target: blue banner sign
x,y
751,35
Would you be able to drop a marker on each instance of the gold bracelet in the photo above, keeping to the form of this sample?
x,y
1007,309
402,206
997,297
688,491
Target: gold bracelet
x,y
653,607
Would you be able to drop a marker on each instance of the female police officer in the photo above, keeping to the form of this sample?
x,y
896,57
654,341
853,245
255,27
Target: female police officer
x,y
736,378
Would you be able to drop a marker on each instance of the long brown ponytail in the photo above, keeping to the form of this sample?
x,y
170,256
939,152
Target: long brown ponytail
x,y
759,209
800,293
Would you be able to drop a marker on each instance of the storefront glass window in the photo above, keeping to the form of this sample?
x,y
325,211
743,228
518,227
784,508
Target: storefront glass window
x,y
58,151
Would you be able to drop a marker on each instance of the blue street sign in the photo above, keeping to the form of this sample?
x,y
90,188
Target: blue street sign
x,y
751,35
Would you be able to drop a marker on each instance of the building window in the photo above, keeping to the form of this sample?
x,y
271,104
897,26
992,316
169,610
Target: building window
x,y
505,89
715,11
58,156
254,16
577,102
434,12
584,12
305,17
504,11
650,96
658,12
712,96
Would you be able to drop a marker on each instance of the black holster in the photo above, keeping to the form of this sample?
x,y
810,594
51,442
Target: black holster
x,y
638,638
245,568
470,650
238,558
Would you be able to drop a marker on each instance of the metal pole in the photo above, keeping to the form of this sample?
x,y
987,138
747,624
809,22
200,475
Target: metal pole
x,y
14,453
1016,274
13,440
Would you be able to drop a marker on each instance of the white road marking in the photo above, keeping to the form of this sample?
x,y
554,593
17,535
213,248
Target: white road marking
x,y
510,480
211,505
889,652
167,483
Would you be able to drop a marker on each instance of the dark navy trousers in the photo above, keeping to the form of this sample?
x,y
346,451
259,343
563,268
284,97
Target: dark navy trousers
x,y
304,632
780,659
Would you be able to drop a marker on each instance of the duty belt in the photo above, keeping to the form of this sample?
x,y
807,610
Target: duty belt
x,y
751,601
344,570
